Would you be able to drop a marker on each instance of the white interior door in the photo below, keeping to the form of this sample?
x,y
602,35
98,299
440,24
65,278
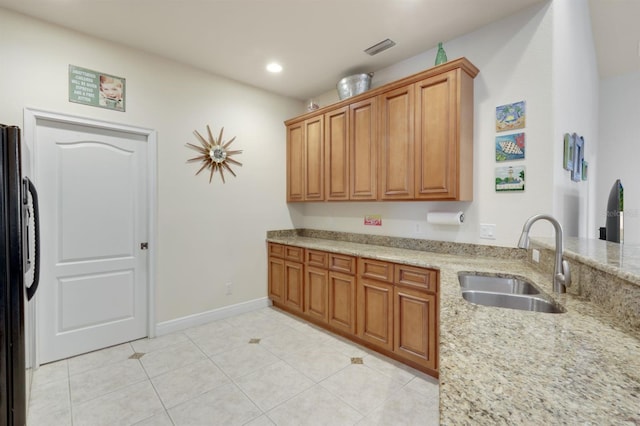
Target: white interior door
x,y
93,208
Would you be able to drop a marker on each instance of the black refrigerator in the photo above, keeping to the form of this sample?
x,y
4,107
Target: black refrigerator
x,y
19,247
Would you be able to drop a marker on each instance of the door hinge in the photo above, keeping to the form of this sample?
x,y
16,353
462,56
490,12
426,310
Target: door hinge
x,y
144,246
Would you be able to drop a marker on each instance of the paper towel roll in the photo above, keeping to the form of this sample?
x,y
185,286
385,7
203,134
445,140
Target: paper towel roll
x,y
445,218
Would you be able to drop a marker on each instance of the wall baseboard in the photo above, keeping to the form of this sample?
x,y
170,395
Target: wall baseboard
x,y
183,323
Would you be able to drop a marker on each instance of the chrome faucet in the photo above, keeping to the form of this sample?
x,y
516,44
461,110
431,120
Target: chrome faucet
x,y
561,271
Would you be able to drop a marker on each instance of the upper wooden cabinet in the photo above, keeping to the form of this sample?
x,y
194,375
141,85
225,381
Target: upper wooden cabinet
x,y
363,150
351,152
295,162
444,137
396,124
411,139
305,160
336,151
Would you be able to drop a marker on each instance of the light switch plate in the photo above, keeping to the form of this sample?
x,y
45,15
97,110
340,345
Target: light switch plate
x,y
488,231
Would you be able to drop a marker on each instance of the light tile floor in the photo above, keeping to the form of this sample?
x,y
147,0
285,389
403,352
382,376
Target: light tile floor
x,y
297,374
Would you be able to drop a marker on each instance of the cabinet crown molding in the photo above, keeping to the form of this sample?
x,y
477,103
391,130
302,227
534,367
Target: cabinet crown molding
x,y
461,63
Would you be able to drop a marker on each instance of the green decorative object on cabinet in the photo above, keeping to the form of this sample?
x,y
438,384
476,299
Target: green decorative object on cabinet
x,y
441,56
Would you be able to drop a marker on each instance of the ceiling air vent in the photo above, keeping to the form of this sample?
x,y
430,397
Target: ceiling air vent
x,y
380,47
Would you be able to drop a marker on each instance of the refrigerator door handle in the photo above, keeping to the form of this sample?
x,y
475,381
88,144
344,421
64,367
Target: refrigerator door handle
x,y
31,290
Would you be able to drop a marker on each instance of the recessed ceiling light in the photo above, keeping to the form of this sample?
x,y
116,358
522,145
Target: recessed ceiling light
x,y
274,67
379,47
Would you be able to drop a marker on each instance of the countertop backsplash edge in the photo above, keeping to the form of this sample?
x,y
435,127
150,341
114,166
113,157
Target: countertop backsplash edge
x,y
434,246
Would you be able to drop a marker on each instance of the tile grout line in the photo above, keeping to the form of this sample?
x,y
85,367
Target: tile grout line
x,y
70,398
232,380
154,389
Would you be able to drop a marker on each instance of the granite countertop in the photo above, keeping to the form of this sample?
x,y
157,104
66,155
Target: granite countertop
x,y
621,260
505,366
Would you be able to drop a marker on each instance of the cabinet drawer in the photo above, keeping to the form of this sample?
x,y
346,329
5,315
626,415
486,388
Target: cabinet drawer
x,y
412,276
316,258
342,263
295,254
375,269
276,250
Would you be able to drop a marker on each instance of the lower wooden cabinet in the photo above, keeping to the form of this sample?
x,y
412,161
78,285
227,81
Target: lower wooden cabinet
x,y
415,325
316,296
276,279
330,290
389,307
342,302
286,277
375,313
294,286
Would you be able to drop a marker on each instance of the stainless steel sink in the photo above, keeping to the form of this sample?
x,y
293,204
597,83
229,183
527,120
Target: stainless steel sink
x,y
513,301
498,284
505,291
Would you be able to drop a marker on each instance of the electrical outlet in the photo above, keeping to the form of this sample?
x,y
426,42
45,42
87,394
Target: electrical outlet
x,y
535,255
488,231
228,286
418,228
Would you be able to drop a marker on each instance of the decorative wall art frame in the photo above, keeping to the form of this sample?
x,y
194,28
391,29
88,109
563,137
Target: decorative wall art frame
x,y
510,147
509,179
511,116
214,154
96,89
578,158
573,156
569,144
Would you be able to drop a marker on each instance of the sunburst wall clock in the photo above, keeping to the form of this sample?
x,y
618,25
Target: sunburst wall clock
x,y
214,154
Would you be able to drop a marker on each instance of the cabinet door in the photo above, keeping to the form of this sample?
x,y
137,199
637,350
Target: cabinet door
x,y
363,146
295,162
436,149
375,313
416,326
294,286
276,279
336,135
316,294
342,301
314,158
396,144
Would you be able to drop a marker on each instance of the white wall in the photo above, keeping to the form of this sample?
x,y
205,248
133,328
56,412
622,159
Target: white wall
x,y
619,149
514,58
208,234
575,110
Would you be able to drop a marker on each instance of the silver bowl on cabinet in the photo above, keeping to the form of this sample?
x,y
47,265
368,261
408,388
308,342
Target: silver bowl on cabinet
x,y
354,85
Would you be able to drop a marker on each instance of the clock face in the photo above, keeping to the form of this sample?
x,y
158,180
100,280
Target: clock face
x,y
218,154
214,154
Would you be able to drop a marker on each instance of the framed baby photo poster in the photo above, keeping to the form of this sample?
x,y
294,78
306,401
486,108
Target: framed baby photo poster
x,y
96,88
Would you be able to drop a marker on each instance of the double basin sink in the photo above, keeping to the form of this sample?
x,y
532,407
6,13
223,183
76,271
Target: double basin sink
x,y
505,291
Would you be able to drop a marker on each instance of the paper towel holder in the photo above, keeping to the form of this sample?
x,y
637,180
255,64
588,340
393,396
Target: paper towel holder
x,y
445,218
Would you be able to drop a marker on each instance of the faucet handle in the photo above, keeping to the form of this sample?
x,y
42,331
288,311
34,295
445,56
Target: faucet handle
x,y
566,273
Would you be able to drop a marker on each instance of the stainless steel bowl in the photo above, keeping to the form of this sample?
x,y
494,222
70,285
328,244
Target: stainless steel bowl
x,y
354,85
